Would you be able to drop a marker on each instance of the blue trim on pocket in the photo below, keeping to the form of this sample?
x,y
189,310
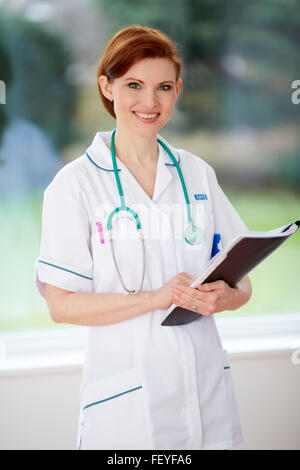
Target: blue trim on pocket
x,y
227,367
110,398
64,269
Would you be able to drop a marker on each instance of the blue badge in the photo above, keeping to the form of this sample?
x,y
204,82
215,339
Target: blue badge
x,y
200,197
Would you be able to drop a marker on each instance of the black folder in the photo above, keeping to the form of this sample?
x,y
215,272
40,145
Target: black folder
x,y
232,263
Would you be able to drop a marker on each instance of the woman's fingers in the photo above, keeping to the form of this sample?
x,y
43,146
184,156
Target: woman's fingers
x,y
209,286
188,297
185,278
209,298
188,291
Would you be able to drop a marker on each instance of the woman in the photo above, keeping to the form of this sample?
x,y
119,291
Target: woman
x,y
144,386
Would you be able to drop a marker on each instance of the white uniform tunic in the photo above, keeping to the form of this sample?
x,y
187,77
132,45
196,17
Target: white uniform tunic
x,y
144,386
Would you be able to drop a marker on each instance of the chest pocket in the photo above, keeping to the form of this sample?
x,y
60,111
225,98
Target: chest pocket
x,y
193,259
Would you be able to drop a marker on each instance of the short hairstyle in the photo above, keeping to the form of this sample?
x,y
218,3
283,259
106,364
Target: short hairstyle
x,y
129,45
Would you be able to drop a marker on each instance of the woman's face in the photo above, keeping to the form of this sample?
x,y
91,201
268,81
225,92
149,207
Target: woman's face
x,y
145,96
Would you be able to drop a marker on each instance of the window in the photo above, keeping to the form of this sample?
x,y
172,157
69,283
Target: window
x,y
235,111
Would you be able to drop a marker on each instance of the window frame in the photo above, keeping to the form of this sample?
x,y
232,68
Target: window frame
x,y
63,348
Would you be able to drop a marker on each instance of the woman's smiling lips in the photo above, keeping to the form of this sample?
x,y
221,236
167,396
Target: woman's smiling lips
x,y
146,117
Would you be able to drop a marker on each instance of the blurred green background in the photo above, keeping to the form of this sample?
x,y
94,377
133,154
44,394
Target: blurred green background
x,y
235,111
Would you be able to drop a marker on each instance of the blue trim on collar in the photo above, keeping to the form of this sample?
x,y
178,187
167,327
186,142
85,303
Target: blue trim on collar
x,y
172,164
119,169
98,166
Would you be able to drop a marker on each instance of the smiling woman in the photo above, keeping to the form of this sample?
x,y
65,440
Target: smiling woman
x,y
139,83
144,386
147,99
129,46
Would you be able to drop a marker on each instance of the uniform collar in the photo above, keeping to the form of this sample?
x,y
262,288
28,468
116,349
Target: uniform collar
x,y
99,154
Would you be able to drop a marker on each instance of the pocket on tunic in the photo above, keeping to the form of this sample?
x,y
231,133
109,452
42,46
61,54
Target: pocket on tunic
x,y
113,413
232,403
203,220
214,406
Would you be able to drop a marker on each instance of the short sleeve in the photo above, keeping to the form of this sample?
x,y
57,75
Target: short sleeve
x,y
65,259
227,222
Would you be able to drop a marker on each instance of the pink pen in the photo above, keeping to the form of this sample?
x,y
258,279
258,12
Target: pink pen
x,y
100,231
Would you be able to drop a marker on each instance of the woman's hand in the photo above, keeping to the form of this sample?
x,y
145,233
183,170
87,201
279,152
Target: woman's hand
x,y
162,298
212,297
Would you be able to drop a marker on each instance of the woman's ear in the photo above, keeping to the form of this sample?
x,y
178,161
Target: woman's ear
x,y
178,86
105,87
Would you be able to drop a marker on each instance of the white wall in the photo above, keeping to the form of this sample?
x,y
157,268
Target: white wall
x,y
38,409
268,393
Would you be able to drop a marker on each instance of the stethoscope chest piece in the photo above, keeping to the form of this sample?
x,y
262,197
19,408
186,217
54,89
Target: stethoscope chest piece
x,y
193,235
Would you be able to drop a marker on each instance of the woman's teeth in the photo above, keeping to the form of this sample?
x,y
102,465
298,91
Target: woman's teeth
x,y
146,116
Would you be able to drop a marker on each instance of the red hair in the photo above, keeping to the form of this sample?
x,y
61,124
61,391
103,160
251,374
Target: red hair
x,y
128,46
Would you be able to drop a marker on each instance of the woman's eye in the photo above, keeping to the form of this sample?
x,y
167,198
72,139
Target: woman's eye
x,y
135,85
166,87
162,87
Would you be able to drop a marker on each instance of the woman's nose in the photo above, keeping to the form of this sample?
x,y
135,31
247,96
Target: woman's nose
x,y
150,99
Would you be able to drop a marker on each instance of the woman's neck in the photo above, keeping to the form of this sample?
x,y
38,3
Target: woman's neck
x,y
133,149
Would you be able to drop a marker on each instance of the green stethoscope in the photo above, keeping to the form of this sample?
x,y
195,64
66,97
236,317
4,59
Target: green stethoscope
x,y
193,234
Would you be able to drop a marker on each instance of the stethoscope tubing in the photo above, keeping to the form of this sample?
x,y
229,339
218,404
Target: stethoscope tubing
x,y
123,207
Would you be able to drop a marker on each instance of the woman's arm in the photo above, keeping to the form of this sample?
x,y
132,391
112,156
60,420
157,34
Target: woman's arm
x,y
89,309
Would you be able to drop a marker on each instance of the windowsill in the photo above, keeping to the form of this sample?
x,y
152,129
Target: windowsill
x,y
42,351
260,334
63,349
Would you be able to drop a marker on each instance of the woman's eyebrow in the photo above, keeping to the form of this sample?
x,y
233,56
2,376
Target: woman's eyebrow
x,y
137,80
